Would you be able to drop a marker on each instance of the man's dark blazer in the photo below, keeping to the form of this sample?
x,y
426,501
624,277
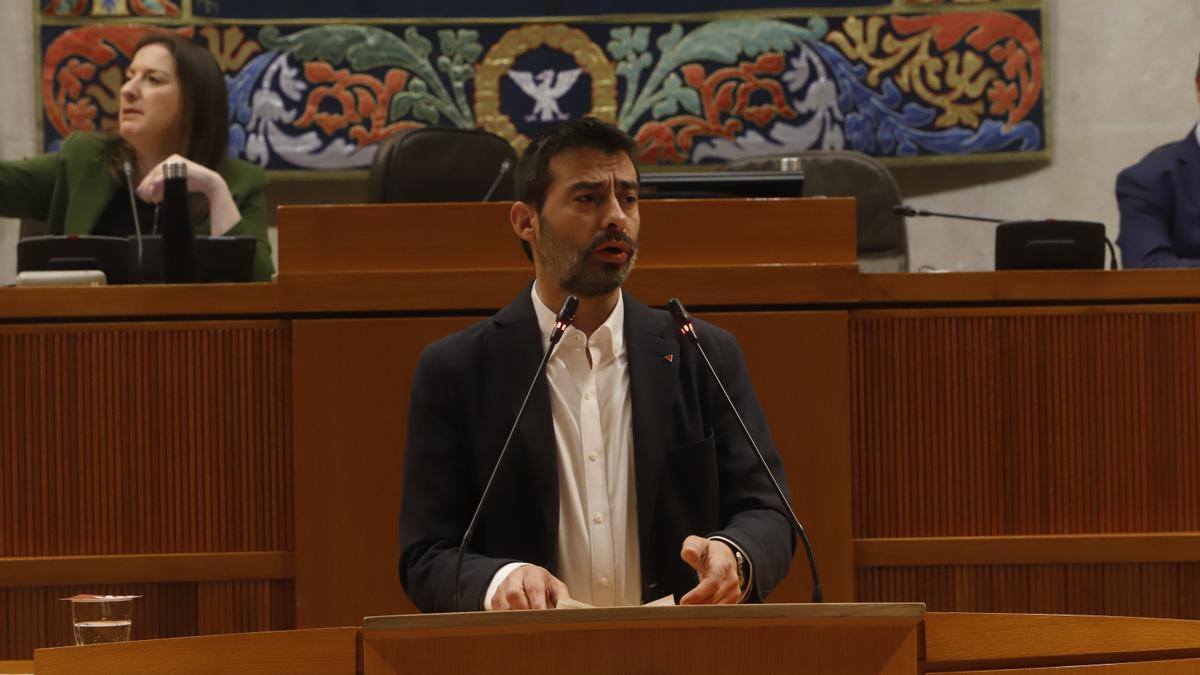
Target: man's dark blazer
x,y
695,473
1159,198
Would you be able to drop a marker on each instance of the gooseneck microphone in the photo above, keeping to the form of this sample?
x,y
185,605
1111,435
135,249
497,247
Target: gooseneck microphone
x,y
561,322
909,212
137,224
500,173
688,329
1055,238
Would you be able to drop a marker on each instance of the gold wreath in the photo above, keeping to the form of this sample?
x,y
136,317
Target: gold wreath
x,y
501,57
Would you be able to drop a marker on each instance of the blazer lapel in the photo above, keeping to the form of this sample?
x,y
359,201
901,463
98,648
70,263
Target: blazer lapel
x,y
653,374
518,345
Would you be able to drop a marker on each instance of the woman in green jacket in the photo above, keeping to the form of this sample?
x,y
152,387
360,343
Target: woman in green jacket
x,y
172,108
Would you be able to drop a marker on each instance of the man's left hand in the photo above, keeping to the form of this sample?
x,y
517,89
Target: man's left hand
x,y
715,565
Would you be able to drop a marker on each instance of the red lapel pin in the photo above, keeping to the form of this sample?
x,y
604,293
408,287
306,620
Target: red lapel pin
x,y
669,358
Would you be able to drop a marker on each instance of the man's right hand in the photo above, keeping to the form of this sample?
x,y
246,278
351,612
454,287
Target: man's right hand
x,y
529,587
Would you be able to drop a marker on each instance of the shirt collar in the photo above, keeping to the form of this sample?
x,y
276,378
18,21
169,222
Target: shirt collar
x,y
613,327
1196,133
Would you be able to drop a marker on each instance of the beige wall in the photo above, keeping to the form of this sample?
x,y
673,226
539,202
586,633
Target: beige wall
x,y
18,130
1121,76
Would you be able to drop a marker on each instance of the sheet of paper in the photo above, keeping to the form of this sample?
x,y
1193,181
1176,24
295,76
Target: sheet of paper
x,y
568,603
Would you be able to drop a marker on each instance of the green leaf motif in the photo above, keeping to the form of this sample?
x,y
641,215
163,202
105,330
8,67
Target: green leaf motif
x,y
671,38
665,108
399,107
721,42
368,47
447,42
420,46
630,68
690,100
426,111
674,94
626,42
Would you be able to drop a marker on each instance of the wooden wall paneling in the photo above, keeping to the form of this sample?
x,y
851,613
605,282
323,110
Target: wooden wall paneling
x,y
1001,423
798,363
975,423
1168,590
352,380
142,438
244,606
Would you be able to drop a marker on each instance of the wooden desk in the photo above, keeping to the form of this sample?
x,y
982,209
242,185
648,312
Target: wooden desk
x,y
1015,441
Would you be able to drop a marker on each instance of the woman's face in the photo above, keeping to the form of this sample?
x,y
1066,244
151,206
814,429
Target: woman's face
x,y
150,100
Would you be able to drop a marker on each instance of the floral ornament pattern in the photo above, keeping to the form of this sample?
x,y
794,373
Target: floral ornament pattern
x,y
81,76
161,8
916,84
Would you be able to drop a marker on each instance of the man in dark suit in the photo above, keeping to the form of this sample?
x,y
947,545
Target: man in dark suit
x,y
1159,198
627,479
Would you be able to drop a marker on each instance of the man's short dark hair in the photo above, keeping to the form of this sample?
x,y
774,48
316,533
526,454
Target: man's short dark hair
x,y
532,175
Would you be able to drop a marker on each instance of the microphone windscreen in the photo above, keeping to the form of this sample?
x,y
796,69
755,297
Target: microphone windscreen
x,y
677,310
567,313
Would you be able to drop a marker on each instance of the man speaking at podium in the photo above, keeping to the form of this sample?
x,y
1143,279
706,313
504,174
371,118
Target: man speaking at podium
x,y
628,478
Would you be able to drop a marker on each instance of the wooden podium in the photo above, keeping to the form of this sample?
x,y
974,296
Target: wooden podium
x,y
832,639
842,639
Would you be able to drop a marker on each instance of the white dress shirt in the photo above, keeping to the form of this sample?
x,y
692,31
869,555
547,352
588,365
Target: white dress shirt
x,y
588,379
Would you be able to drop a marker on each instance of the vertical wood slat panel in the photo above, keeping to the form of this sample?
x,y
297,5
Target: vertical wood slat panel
x,y
1020,422
1006,425
116,443
145,438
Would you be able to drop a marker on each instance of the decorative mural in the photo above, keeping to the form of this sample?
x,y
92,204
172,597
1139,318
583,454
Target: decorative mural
x,y
921,80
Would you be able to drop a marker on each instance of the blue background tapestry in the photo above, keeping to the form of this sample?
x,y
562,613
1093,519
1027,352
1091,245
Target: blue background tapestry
x,y
317,85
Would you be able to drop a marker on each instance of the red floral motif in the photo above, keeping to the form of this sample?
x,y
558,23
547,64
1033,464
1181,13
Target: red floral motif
x,y
724,93
72,62
362,98
1007,38
82,114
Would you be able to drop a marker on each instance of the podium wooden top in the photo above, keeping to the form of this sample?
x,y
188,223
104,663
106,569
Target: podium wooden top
x,y
883,613
407,237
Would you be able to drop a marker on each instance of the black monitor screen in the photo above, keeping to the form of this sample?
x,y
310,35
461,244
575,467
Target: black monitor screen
x,y
722,184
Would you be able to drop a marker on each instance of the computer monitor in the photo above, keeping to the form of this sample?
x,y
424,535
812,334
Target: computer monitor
x,y
721,184
218,259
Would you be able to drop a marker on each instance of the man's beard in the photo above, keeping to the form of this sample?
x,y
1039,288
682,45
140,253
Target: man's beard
x,y
575,270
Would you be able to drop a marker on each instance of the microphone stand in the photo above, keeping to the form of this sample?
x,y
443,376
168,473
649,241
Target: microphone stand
x,y
564,318
688,330
909,212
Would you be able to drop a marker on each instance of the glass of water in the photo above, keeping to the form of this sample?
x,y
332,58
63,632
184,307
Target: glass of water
x,y
101,618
